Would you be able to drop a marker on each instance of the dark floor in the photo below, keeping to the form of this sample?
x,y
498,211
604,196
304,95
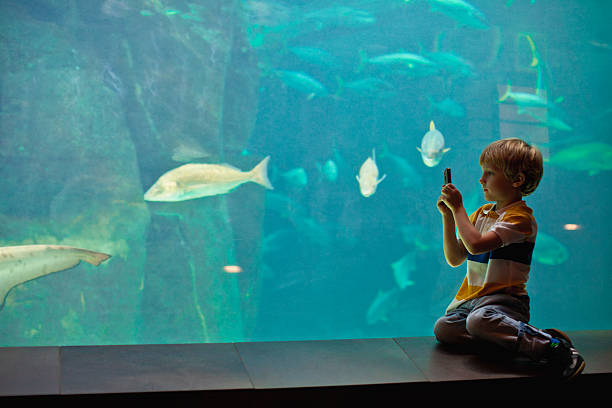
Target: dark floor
x,y
332,369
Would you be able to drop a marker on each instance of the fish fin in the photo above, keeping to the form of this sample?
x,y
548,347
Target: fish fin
x,y
419,149
373,155
357,177
310,96
381,179
94,258
446,149
506,95
432,126
260,174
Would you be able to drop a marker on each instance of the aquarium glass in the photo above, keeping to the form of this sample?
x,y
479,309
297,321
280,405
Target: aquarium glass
x,y
176,171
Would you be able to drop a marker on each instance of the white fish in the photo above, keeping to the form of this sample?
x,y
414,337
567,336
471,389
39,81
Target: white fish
x,y
368,176
432,146
195,180
22,263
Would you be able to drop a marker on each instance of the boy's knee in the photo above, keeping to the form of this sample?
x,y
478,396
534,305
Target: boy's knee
x,y
439,330
477,321
444,331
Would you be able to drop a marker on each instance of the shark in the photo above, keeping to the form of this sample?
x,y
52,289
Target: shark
x,y
23,263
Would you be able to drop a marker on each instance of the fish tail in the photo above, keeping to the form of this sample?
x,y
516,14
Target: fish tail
x,y
260,174
92,257
506,95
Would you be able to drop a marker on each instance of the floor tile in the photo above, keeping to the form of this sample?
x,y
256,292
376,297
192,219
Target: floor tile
x,y
439,363
327,363
595,346
143,368
29,371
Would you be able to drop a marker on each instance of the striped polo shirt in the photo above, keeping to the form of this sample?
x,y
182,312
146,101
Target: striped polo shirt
x,y
505,269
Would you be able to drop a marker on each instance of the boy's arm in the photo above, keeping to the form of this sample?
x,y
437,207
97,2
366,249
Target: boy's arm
x,y
475,242
454,250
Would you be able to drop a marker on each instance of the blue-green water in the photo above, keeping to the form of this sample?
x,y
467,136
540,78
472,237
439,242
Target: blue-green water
x,y
99,99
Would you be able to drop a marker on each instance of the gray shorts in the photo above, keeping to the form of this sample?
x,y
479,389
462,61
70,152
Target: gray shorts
x,y
499,318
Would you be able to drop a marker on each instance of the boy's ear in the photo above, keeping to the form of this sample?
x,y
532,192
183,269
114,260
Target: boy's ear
x,y
519,179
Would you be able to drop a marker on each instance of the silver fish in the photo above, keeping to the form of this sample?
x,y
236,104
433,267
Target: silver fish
x,y
22,263
432,146
368,176
195,180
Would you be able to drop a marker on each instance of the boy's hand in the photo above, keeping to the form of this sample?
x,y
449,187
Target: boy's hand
x,y
443,208
451,197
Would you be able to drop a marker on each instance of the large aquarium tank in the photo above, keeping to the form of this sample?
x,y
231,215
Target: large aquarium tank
x,y
192,171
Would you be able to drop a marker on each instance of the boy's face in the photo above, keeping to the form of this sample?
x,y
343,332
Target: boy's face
x,y
495,184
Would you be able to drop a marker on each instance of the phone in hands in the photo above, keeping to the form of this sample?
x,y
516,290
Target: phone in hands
x,y
447,176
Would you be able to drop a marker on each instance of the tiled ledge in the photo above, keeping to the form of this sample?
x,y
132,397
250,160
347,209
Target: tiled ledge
x,y
134,369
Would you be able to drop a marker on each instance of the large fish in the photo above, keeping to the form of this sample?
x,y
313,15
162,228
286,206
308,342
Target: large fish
x,y
195,180
400,62
368,176
591,157
549,251
462,12
19,264
525,100
432,146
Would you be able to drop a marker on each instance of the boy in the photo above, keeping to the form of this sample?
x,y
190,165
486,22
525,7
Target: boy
x,y
492,304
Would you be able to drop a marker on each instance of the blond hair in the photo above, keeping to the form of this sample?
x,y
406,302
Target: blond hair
x,y
514,156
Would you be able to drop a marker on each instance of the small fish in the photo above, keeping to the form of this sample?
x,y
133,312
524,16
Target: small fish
x,y
22,263
399,60
403,269
451,64
368,87
368,176
329,170
302,82
296,177
340,16
432,146
447,106
409,176
196,180
382,305
188,150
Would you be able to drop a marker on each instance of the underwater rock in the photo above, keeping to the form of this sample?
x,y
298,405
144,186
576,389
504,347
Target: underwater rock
x,y
70,177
